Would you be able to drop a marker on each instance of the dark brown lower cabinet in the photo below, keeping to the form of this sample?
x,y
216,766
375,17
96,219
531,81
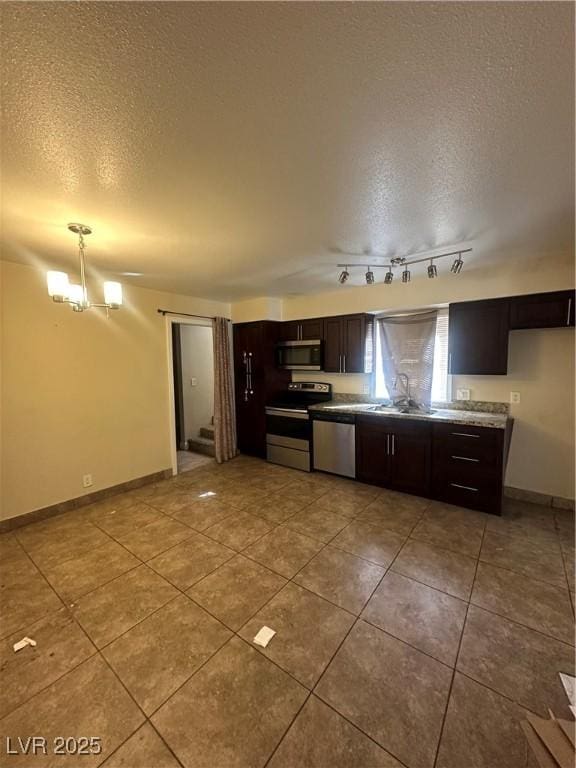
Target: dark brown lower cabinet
x,y
394,453
469,465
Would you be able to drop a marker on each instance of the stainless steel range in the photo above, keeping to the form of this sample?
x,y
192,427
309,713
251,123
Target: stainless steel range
x,y
288,424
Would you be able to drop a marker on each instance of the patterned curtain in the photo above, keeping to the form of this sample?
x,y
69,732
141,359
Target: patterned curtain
x,y
224,415
407,343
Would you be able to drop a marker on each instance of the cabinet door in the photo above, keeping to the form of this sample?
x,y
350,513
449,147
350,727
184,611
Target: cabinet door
x,y
288,331
478,337
333,344
411,457
312,329
354,343
542,310
372,460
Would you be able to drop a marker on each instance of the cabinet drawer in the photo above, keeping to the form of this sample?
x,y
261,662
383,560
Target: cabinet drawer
x,y
486,498
472,445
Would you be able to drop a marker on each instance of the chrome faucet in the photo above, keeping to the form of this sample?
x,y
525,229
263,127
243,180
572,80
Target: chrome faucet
x,y
406,398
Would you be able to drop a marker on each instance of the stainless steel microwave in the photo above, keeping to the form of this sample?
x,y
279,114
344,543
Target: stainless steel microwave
x,y
300,355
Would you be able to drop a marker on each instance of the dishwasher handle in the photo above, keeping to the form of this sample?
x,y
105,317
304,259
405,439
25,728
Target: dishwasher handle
x,y
338,418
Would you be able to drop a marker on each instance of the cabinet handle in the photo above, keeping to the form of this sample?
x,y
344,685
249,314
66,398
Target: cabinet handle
x,y
463,434
387,444
465,487
569,309
450,362
245,361
465,458
251,391
393,445
339,363
344,359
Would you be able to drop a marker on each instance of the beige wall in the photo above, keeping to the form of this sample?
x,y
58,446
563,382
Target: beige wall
x,y
541,363
197,364
80,393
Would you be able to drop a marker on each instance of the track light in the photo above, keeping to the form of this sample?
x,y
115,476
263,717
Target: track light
x,y
432,271
369,276
344,275
456,267
406,275
388,277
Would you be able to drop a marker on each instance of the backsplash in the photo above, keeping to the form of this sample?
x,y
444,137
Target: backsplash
x,y
479,406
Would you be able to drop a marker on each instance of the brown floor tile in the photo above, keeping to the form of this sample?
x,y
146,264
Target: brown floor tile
x,y
341,578
300,650
24,595
317,523
190,561
528,521
533,603
482,730
144,749
515,661
200,515
240,495
371,542
246,705
155,657
439,568
304,491
88,701
53,541
276,508
396,511
82,573
345,504
110,610
61,646
319,738
449,513
235,591
392,692
429,620
120,522
569,556
524,556
239,530
450,534
284,551
156,537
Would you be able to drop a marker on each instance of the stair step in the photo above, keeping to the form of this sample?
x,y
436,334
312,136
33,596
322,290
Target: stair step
x,y
202,445
207,432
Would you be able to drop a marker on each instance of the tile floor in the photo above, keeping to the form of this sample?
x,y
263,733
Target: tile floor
x,y
409,633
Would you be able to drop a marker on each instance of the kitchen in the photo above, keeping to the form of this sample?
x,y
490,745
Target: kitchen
x,y
455,452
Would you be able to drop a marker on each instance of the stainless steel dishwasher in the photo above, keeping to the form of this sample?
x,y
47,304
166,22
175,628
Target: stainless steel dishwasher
x,y
334,443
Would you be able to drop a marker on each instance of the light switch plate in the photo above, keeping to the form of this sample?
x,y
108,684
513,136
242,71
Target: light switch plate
x,y
462,394
194,382
515,397
86,481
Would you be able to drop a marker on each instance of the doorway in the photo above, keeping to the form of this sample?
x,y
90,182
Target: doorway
x,y
192,404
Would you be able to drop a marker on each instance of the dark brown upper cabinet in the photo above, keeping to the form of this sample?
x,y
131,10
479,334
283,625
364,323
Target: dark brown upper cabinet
x,y
345,343
542,310
478,337
302,330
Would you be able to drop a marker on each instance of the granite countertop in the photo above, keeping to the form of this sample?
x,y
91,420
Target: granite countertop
x,y
472,418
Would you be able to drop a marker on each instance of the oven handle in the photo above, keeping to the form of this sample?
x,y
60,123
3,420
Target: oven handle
x,y
288,413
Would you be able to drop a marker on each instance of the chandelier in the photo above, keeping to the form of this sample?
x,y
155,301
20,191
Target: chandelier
x,y
65,292
404,263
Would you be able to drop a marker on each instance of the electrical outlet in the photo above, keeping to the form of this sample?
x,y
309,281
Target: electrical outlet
x,y
462,394
194,382
515,397
86,481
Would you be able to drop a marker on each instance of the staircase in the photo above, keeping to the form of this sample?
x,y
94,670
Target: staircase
x,y
204,443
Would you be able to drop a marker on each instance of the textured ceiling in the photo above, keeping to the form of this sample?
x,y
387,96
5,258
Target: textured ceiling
x,y
235,149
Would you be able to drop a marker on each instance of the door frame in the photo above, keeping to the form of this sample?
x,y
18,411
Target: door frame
x,y
171,320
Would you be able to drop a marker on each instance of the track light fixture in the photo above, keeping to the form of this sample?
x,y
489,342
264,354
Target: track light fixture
x,y
457,265
343,276
405,263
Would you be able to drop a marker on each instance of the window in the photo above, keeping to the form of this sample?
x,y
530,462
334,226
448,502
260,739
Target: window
x,y
440,380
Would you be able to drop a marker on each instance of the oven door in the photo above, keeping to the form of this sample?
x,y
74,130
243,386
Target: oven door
x,y
288,435
299,355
